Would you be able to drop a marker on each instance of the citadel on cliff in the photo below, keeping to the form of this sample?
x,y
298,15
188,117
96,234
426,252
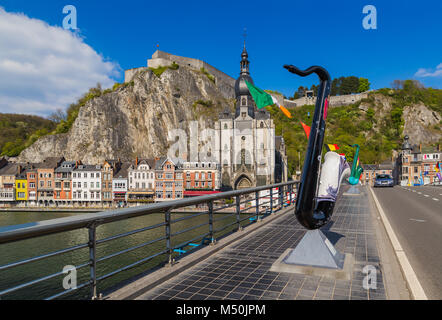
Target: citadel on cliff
x,y
247,149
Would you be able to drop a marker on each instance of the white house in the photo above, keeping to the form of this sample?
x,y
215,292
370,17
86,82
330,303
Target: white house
x,y
120,184
86,183
141,179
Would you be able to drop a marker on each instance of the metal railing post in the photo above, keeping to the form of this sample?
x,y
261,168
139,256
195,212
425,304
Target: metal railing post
x,y
168,237
291,191
212,240
280,195
238,212
92,244
257,205
271,200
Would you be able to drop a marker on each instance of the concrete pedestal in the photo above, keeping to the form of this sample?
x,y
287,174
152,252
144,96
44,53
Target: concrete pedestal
x,y
315,255
353,191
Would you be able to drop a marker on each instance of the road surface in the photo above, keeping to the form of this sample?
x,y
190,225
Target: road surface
x,y
415,214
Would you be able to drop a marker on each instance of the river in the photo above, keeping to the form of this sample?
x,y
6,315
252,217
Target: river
x,y
24,249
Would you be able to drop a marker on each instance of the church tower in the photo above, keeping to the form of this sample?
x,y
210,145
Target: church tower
x,y
247,138
244,102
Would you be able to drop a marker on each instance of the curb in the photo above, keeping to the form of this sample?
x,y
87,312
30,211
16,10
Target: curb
x,y
413,283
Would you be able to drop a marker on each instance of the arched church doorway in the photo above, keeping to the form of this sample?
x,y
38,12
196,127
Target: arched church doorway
x,y
243,182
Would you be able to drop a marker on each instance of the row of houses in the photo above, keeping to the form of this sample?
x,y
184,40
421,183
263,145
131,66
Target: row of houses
x,y
413,165
419,165
58,182
370,172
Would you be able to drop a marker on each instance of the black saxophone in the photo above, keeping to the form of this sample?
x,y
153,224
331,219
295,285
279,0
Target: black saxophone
x,y
319,187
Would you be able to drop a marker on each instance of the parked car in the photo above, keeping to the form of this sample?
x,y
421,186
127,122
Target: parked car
x,y
383,180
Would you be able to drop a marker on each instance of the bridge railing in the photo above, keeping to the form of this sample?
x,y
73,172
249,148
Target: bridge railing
x,y
240,208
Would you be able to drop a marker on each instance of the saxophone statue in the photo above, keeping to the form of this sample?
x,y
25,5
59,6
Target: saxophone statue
x,y
319,186
356,169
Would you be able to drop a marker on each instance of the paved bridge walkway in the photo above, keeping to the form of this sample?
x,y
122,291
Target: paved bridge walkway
x,y
240,271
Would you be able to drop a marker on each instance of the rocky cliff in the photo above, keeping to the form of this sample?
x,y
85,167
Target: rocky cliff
x,y
420,123
134,120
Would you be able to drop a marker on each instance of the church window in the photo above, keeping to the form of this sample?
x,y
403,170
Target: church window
x,y
225,125
261,125
243,114
243,101
243,156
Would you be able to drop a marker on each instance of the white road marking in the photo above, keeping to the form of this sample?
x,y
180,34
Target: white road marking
x,y
435,199
419,192
416,289
418,220
426,195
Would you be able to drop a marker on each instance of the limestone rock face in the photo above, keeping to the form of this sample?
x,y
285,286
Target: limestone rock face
x,y
134,120
419,121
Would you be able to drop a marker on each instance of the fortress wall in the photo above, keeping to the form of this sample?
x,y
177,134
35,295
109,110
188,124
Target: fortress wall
x,y
129,74
335,101
161,58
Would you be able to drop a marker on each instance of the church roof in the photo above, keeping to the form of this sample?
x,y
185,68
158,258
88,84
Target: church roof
x,y
262,115
240,84
226,114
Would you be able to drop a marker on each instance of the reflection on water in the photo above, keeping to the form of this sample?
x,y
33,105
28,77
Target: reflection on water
x,y
25,249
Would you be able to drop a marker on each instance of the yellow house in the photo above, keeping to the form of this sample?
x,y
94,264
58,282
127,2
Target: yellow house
x,y
21,188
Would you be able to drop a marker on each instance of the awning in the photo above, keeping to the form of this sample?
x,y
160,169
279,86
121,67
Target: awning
x,y
199,193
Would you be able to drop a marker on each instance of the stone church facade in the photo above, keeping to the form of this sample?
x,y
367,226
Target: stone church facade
x,y
249,152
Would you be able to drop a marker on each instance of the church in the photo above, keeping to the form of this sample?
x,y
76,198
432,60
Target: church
x,y
247,149
249,152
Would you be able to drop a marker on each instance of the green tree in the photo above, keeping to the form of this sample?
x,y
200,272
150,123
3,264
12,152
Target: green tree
x,y
364,85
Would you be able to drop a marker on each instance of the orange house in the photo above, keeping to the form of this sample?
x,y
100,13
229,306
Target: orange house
x,y
31,175
46,180
63,182
169,179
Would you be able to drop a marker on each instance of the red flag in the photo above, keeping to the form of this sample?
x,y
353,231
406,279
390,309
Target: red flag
x,y
306,129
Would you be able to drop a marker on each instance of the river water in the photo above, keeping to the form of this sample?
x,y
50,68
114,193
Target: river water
x,y
25,249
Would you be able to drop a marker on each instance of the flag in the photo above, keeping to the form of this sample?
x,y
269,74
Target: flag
x,y
332,147
263,99
306,129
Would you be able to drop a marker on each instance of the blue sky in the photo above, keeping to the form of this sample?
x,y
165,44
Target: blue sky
x,y
303,33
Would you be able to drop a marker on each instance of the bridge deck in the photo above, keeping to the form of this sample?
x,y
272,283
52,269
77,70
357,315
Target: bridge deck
x,y
241,270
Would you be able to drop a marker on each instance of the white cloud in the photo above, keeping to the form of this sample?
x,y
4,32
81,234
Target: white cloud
x,y
423,73
43,67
